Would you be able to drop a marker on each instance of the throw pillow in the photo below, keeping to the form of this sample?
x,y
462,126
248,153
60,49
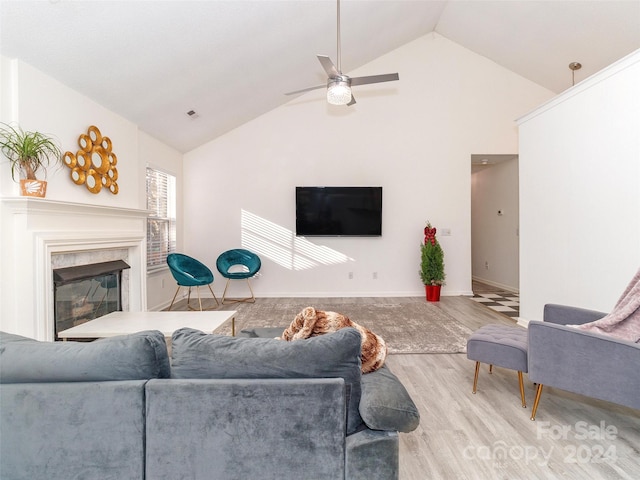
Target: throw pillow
x,y
138,356
385,403
207,356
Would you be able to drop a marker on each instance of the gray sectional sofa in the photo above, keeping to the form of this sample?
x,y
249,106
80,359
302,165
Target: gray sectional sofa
x,y
220,408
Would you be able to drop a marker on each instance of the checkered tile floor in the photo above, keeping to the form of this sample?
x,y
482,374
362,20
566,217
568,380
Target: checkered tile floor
x,y
507,303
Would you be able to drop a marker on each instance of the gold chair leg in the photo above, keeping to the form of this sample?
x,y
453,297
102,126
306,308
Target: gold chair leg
x,y
475,377
536,401
189,307
214,296
225,290
199,299
174,297
251,299
524,403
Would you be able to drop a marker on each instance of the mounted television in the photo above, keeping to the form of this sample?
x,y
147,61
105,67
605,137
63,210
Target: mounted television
x,y
339,211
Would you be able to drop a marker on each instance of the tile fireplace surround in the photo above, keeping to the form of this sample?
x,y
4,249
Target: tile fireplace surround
x,y
37,233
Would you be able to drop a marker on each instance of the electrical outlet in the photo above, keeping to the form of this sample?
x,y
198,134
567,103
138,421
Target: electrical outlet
x,y
375,275
486,265
350,275
446,232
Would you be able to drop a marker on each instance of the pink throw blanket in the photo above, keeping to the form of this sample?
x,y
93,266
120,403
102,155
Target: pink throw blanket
x,y
624,320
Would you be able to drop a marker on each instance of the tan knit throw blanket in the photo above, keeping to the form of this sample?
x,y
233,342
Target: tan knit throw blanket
x,y
311,322
624,320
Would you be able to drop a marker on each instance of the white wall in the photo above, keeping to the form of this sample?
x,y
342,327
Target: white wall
x,y
37,102
43,104
414,137
579,195
495,237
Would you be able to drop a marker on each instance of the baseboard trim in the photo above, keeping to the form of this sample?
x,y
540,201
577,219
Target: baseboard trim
x,y
496,284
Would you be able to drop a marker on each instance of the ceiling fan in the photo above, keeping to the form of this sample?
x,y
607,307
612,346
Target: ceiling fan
x,y
338,84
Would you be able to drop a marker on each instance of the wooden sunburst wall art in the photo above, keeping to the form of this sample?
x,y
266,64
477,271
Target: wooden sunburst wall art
x,y
94,164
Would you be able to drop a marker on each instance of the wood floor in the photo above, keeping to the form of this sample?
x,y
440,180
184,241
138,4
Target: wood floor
x,y
489,435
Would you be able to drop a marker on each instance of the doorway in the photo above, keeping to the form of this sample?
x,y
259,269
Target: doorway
x,y
495,246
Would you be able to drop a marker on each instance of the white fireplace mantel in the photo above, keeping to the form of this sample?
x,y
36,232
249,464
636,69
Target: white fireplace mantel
x,y
35,205
34,230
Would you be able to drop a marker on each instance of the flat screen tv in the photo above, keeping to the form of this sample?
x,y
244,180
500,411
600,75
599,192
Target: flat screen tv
x,y
339,211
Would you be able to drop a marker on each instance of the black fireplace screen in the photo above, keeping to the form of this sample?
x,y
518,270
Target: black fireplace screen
x,y
86,292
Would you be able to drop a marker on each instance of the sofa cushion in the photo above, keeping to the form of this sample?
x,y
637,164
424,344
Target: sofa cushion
x,y
245,429
76,430
385,403
208,356
139,356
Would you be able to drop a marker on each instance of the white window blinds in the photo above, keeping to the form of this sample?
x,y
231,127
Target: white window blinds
x,y
161,223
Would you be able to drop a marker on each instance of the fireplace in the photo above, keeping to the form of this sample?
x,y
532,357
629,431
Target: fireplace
x,y
85,292
45,235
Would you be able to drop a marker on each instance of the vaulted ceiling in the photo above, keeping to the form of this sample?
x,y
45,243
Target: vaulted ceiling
x,y
231,61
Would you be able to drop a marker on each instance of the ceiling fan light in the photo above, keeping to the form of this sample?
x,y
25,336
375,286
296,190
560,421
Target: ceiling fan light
x,y
339,93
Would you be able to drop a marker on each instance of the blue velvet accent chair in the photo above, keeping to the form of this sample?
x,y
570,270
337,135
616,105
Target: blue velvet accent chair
x,y
238,264
190,272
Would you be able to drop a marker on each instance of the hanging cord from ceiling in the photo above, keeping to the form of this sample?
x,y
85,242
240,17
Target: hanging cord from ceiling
x,y
574,66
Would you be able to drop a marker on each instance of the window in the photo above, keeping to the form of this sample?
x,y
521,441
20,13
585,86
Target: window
x,y
161,223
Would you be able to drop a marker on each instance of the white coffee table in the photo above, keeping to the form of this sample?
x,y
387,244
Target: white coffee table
x,y
124,323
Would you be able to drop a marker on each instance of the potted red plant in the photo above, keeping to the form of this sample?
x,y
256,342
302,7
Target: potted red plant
x,y
432,264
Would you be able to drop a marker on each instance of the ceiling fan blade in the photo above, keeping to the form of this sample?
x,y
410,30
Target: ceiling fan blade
x,y
389,77
328,66
308,89
353,100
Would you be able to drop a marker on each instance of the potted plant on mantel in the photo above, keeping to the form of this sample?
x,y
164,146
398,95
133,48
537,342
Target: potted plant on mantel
x,y
28,153
432,264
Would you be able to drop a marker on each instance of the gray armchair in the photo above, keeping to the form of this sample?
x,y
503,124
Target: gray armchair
x,y
595,365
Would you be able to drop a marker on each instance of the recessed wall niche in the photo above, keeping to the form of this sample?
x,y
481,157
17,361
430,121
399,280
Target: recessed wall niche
x,y
94,164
